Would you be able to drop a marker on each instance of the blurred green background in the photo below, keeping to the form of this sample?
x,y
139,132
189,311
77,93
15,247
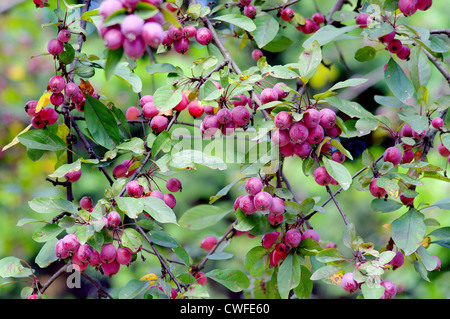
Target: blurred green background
x,y
23,78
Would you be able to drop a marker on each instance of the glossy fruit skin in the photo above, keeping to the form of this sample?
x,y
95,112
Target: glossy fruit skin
x,y
134,189
278,206
201,278
302,150
48,115
376,190
170,200
108,253
123,256
389,289
203,36
150,110
437,122
280,137
424,5
195,109
321,176
393,154
311,118
134,48
395,46
287,14
73,176
262,201
387,37
110,269
407,7
404,53
64,35
224,116
208,243
348,283
292,238
183,103
250,11
362,20
153,34
268,240
114,219
253,185
181,45
56,84
318,18
159,123
86,202
298,132
173,185
327,118
247,205
55,47
240,115
311,233
398,260
316,134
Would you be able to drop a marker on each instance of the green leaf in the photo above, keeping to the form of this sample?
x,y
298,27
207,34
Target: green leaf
x,y
162,239
161,68
289,275
224,191
408,231
47,254
325,272
48,205
419,67
266,29
188,158
373,291
327,34
131,239
133,288
352,109
132,207
309,60
161,141
112,59
47,233
328,255
42,140
239,20
135,145
339,172
366,53
166,98
156,208
202,216
12,267
68,54
279,44
397,81
65,168
385,205
235,280
304,289
426,258
257,260
101,123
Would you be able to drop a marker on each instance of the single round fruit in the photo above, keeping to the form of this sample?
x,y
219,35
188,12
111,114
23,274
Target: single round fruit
x,y
240,115
404,52
73,175
393,154
292,238
257,54
181,45
134,48
298,132
389,289
203,36
56,84
398,260
134,189
316,134
153,34
262,201
437,122
348,283
376,190
110,269
362,20
150,110
173,185
250,11
123,256
247,205
318,18
86,202
387,37
132,113
114,219
327,118
208,243
268,240
280,137
395,46
64,35
55,47
170,200
159,123
287,14
283,120
108,253
268,95
311,118
48,115
195,109
278,206
407,7
311,233
132,26
424,5
224,116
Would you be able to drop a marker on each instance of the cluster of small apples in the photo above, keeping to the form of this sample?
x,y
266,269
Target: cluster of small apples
x,y
409,7
56,45
178,38
149,111
311,24
280,244
109,259
133,33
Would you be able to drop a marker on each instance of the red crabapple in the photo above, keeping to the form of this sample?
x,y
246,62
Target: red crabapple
x,y
424,5
250,11
311,233
335,131
443,151
404,52
132,113
337,156
298,132
275,219
78,264
408,156
240,115
201,278
257,54
181,45
108,253
208,243
247,205
262,201
167,41
318,18
57,98
283,120
72,89
327,118
203,36
407,7
189,31
157,193
145,99
183,103
309,27
134,189
195,109
132,26
134,48
245,2
159,123
56,84
287,14
48,115
395,46
278,206
239,99
170,200
253,185
280,137
288,149
292,238
86,202
387,37
280,91
376,190
123,256
95,260
407,201
37,122
70,243
120,170
150,110
85,253
316,134
55,47
348,283
64,35
311,118
389,289
268,95
419,135
437,122
362,20
108,7
60,251
268,240
398,260
30,108
110,269
153,34
113,39
393,154
73,175
114,219
224,116
302,150
173,185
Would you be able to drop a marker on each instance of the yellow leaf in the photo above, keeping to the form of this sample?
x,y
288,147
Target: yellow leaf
x,y
63,131
149,277
43,101
16,139
387,226
426,242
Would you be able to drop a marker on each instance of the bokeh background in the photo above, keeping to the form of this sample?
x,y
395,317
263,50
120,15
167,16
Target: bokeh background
x,y
23,78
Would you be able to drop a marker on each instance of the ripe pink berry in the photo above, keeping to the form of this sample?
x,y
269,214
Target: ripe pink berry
x,y
48,115
389,289
113,39
288,149
437,122
157,193
203,36
318,18
85,253
393,154
408,156
316,134
201,278
181,45
283,120
120,170
337,156
327,118
311,233
404,53
253,185
268,240
72,89
170,200
268,95
189,31
387,37
132,113
60,251
108,253
210,125
395,46
183,103
362,20
282,94
134,189
70,243
376,190
278,206
287,14
298,132
335,131
114,219
55,47
407,7
86,202
348,283
275,219
257,54
311,118
443,151
398,260
64,35
224,116
37,122
153,34
407,201
173,185
309,27
262,201
108,7
424,5
195,109
419,135
134,48
110,269
247,205
56,84
292,238
302,150
250,11
57,98
145,99
30,108
132,26
78,264
123,256
239,99
72,176
149,110
240,115
208,243
280,137
95,260
159,123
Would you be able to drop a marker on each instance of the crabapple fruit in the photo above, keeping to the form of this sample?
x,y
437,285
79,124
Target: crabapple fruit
x,y
275,219
240,115
268,95
48,115
407,7
287,14
110,269
398,260
376,190
302,150
253,185
73,175
268,240
316,134
280,137
311,118
195,109
208,243
132,113
292,238
247,205
348,283
395,46
153,34
170,200
159,123
389,289
123,256
56,84
262,201
311,233
157,193
183,103
181,45
224,116
201,278
393,154
321,176
318,18
70,243
173,185
134,189
85,253
64,35
150,110
362,20
203,36
327,118
86,202
283,120
120,170
424,5
55,47
387,37
404,52
437,122
134,48
108,253
114,219
257,54
298,132
250,11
